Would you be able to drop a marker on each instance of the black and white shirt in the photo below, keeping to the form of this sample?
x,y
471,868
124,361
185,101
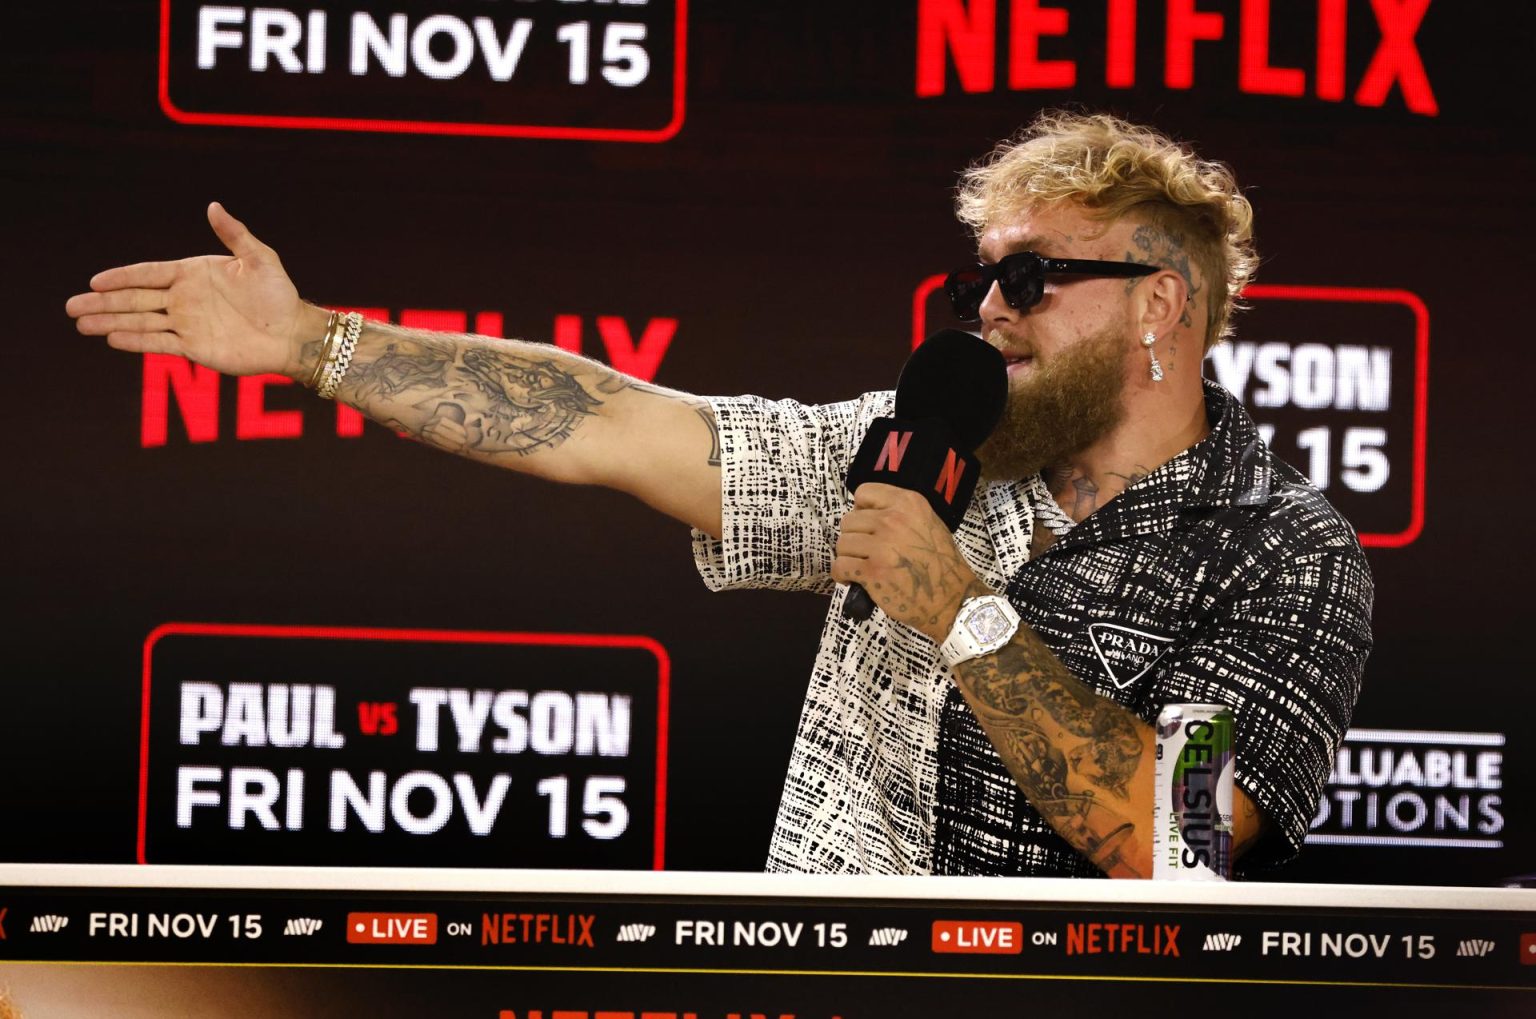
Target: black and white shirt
x,y
1220,577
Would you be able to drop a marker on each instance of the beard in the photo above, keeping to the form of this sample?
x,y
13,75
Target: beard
x,y
1066,405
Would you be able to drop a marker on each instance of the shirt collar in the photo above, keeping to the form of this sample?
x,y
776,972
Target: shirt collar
x,y
1229,467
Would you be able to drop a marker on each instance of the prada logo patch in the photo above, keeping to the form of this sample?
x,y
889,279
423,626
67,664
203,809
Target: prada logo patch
x,y
1125,653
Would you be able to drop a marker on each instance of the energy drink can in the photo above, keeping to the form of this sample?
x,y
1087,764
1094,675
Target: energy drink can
x,y
1192,837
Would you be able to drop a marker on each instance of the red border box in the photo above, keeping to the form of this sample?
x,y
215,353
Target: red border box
x,y
597,134
1288,292
663,684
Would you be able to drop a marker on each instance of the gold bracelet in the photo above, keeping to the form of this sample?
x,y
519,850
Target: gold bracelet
x,y
337,367
327,345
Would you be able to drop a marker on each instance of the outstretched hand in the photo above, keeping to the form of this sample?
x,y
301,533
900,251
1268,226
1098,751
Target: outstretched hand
x,y
237,313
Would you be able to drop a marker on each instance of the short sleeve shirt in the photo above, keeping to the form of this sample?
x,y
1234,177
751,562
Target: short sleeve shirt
x,y
1220,577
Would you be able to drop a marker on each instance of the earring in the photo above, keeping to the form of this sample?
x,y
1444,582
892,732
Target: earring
x,y
1157,368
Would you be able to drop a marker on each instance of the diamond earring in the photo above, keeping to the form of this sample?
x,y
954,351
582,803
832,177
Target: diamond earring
x,y
1157,369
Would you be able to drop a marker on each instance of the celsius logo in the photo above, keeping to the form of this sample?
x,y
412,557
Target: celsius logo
x,y
1403,787
596,70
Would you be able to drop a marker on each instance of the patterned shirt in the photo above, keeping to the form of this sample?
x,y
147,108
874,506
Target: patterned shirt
x,y
1221,576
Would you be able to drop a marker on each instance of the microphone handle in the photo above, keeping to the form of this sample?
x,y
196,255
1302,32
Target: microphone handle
x,y
858,606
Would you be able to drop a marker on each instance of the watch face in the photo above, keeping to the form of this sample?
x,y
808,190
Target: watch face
x,y
988,624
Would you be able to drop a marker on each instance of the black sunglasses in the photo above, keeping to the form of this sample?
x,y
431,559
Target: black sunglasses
x,y
1021,276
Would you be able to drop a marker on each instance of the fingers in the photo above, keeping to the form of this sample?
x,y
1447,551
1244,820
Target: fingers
x,y
240,241
858,546
860,521
848,569
116,301
873,495
145,343
128,322
157,275
875,505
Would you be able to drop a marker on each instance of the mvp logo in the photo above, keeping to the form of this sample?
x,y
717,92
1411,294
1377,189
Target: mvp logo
x,y
636,932
1125,653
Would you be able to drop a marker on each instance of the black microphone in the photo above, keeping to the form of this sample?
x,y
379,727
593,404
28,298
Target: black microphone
x,y
949,399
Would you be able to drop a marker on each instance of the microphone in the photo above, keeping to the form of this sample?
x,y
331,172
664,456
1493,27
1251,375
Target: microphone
x,y
949,399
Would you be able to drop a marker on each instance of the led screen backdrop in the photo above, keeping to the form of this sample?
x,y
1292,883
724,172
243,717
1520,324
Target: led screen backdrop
x,y
235,606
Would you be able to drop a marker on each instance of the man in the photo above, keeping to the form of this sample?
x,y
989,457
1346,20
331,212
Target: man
x,y
1135,543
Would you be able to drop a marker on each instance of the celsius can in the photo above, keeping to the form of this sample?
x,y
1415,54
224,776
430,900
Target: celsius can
x,y
1192,801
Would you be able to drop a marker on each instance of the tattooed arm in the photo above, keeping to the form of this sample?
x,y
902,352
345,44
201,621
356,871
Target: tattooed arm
x,y
1083,760
526,406
534,408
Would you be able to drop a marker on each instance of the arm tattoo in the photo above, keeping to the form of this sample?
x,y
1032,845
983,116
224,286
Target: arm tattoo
x,y
707,415
1255,826
1164,248
501,400
310,353
615,383
612,382
1073,752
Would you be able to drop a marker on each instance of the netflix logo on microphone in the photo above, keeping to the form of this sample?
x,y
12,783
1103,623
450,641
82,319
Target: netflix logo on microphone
x,y
907,456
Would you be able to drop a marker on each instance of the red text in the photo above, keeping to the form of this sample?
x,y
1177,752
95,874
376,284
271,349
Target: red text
x,y
1122,939
536,928
963,34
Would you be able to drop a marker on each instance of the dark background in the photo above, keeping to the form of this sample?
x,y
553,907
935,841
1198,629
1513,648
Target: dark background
x,y
785,227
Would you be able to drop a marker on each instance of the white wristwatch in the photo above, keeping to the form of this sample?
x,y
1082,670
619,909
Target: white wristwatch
x,y
983,625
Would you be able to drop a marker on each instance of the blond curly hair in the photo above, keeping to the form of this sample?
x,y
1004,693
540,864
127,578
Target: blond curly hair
x,y
1113,169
